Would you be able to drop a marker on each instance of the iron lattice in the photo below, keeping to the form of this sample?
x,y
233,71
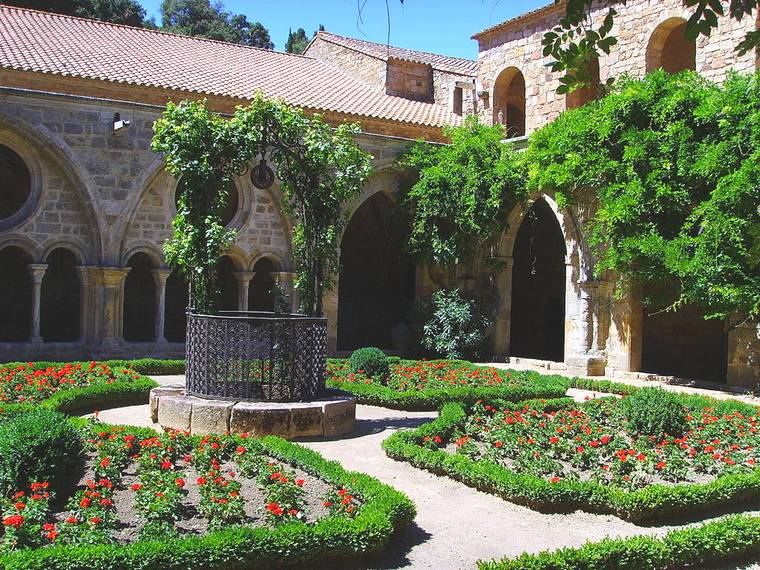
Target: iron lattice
x,y
255,356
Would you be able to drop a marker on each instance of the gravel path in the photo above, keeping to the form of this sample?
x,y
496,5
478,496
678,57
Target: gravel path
x,y
455,525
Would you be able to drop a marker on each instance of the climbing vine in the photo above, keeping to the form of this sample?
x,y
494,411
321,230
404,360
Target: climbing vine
x,y
320,169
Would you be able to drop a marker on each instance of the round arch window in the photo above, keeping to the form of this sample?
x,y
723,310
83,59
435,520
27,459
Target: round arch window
x,y
15,183
230,208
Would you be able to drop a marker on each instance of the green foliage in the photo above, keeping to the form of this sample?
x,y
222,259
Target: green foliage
x,y
128,12
464,193
649,504
37,446
384,511
320,168
458,326
297,41
370,361
673,163
655,412
209,20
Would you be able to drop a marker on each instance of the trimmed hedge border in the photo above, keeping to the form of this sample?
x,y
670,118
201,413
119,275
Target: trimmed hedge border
x,y
655,503
148,366
536,386
385,510
732,539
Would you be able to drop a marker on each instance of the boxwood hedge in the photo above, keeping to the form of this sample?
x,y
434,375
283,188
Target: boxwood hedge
x,y
384,511
654,503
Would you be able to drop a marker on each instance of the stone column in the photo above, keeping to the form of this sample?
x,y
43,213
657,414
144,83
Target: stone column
x,y
109,308
85,302
37,271
500,340
589,354
160,276
244,281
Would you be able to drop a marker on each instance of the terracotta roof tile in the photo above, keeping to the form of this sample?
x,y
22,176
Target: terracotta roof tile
x,y
63,45
382,51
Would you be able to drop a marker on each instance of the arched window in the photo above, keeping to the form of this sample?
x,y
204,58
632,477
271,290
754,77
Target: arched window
x,y
175,324
261,289
59,301
580,97
670,49
15,295
227,284
509,102
15,183
140,299
230,208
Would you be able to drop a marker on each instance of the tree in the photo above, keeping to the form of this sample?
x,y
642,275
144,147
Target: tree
x,y
673,164
297,41
464,193
320,168
575,42
128,12
204,19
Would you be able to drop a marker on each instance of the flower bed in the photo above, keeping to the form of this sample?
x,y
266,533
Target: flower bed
x,y
178,501
426,385
560,456
70,387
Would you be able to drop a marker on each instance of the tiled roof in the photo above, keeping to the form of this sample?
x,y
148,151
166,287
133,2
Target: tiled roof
x,y
382,51
524,18
67,46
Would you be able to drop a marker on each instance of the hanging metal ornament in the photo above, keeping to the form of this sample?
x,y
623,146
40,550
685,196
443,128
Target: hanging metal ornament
x,y
533,220
262,176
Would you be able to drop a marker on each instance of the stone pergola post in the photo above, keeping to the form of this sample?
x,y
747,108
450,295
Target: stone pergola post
x,y
109,309
284,280
502,324
160,276
37,271
244,281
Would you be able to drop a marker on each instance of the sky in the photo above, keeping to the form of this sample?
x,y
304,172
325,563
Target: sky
x,y
439,26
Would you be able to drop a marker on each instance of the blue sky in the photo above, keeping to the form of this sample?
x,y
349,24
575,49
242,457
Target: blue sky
x,y
441,26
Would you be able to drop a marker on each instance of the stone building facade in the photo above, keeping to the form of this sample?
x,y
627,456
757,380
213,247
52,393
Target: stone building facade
x,y
86,206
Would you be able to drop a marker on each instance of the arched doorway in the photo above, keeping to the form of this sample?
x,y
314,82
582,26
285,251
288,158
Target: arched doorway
x,y
175,317
377,280
227,284
580,97
538,287
670,49
140,300
682,343
261,290
509,102
59,301
15,295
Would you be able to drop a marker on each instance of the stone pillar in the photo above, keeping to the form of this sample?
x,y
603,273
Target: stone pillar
x,y
160,276
588,354
330,310
244,281
109,309
744,355
37,271
285,281
500,340
85,301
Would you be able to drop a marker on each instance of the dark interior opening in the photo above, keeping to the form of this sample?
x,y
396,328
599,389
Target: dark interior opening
x,y
261,288
227,284
139,300
15,295
15,182
175,323
59,301
377,279
538,287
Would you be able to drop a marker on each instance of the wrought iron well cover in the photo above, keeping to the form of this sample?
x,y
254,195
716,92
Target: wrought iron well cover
x,y
243,355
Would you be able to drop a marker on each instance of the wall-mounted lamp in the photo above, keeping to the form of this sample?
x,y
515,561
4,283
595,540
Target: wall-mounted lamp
x,y
119,125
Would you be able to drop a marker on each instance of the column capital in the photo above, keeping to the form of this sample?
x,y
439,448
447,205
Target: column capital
x,y
113,276
161,274
244,276
37,271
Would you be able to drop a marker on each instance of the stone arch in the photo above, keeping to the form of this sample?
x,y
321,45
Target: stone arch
x,y
15,293
580,97
670,49
25,244
60,301
79,249
509,101
274,259
377,279
149,249
140,296
34,142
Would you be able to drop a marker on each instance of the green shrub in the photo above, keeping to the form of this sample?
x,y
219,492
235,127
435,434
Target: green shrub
x,y
371,361
40,445
458,326
652,411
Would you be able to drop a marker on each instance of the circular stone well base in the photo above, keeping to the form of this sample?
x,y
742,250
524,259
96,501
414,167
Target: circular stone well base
x,y
331,416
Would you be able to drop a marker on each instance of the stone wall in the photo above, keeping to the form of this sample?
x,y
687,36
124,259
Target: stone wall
x,y
409,79
518,44
368,68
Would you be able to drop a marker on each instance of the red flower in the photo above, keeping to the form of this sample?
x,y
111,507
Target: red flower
x,y
275,509
300,482
20,506
201,481
105,462
327,504
660,466
179,482
136,486
85,502
580,449
166,464
498,444
14,521
641,457
96,520
554,439
555,479
240,450
72,520
106,502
